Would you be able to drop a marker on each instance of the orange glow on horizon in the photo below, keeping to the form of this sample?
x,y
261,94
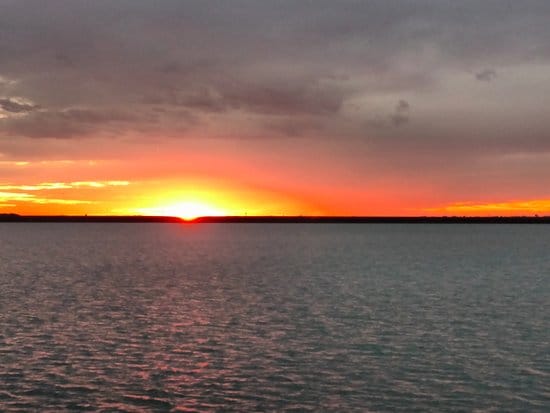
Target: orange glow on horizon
x,y
509,208
198,198
195,196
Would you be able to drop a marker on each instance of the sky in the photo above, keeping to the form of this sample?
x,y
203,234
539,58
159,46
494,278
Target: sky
x,y
390,107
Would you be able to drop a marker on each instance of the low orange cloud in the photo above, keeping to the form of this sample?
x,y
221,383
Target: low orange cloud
x,y
49,163
24,197
524,207
63,185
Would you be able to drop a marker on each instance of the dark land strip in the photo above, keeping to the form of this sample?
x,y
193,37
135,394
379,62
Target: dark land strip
x,y
279,219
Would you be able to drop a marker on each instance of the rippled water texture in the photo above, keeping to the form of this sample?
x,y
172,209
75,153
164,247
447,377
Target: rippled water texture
x,y
263,317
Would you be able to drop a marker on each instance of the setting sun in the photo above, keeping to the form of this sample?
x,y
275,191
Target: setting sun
x,y
187,210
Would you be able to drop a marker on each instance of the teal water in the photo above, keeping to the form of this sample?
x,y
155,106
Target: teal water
x,y
274,317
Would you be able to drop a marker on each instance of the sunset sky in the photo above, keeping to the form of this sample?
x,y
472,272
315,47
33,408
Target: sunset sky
x,y
426,107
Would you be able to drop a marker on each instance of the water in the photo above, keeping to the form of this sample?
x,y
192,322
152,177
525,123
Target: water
x,y
254,317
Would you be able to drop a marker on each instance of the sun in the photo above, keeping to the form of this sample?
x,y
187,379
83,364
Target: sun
x,y
192,209
187,210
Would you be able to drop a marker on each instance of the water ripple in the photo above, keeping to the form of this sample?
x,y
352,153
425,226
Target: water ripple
x,y
136,318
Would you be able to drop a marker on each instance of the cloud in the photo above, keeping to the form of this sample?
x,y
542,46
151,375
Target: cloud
x,y
270,63
399,117
401,113
528,207
13,194
6,197
402,106
63,124
268,96
4,82
285,68
309,97
95,115
294,127
16,106
63,185
486,75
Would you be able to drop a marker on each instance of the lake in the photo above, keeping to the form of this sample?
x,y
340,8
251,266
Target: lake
x,y
274,317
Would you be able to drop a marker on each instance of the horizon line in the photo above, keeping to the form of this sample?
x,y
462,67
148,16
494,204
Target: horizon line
x,y
14,217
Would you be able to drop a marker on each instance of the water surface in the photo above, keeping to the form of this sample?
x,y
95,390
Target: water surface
x,y
263,317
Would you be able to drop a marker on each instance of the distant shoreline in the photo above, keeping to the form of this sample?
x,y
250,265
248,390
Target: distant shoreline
x,y
278,219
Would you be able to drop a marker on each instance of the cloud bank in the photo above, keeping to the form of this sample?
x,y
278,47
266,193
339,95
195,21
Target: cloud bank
x,y
435,86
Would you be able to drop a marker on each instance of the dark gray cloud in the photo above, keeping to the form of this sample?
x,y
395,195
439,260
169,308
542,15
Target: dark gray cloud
x,y
292,68
486,75
13,106
400,116
63,124
399,119
274,97
295,127
402,106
